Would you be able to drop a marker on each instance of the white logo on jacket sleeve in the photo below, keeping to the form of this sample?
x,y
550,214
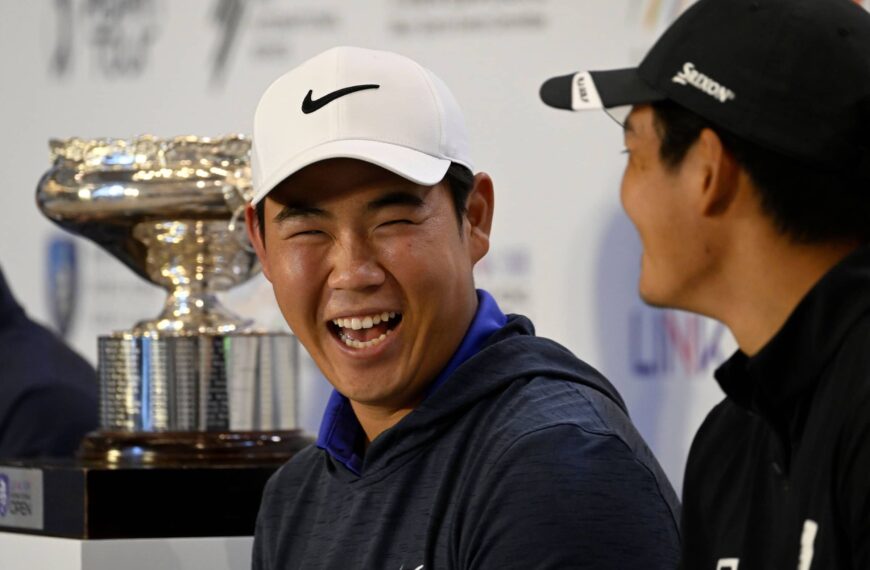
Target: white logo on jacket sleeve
x,y
728,564
808,541
691,76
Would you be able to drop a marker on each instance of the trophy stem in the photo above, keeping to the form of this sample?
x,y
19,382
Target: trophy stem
x,y
191,309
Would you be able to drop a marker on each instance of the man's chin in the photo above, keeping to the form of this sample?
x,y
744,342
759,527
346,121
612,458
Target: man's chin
x,y
366,391
653,301
652,297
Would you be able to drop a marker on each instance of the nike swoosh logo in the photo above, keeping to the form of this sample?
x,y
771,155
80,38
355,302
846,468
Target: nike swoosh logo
x,y
310,105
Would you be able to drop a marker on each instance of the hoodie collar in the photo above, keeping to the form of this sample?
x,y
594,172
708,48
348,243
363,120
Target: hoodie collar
x,y
9,308
341,434
511,356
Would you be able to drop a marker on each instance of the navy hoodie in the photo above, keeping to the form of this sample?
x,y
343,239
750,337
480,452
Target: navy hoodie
x,y
48,393
524,458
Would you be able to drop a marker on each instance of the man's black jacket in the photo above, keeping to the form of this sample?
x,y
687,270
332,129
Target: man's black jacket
x,y
779,474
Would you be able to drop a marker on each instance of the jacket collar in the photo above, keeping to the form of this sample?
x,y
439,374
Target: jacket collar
x,y
789,366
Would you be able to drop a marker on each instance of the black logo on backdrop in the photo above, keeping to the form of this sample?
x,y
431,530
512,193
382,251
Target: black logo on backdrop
x,y
310,105
63,47
116,36
228,17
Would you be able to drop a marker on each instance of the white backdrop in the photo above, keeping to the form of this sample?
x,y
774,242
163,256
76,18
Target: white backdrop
x,y
563,252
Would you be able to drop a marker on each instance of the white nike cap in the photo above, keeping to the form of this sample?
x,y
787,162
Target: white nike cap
x,y
347,102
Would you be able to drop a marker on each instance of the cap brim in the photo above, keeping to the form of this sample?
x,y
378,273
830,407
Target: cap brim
x,y
410,164
589,90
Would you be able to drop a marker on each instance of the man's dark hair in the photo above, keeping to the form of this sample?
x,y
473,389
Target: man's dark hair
x,y
805,202
459,179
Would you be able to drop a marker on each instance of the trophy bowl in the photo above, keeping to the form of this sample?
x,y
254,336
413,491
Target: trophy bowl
x,y
197,383
168,209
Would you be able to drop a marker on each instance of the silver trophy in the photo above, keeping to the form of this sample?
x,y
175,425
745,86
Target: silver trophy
x,y
197,383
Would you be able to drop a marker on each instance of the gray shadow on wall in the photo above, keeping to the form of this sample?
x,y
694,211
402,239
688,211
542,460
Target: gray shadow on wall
x,y
628,344
662,361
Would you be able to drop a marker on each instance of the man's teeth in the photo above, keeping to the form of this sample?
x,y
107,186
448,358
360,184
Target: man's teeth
x,y
357,323
357,344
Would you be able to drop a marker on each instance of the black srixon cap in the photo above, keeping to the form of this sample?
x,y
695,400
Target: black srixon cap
x,y
790,75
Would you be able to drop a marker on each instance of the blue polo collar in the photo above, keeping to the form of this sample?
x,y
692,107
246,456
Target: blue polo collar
x,y
342,436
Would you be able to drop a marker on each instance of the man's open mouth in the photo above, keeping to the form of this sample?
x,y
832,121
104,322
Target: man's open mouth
x,y
365,331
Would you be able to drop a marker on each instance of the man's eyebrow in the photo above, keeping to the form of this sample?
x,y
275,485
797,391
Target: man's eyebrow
x,y
291,211
627,126
396,198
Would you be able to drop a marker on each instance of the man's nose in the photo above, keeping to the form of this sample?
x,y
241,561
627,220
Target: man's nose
x,y
355,266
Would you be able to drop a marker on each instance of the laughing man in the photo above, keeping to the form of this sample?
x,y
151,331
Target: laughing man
x,y
455,438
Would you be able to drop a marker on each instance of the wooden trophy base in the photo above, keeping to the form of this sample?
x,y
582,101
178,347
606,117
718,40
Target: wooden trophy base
x,y
192,448
147,485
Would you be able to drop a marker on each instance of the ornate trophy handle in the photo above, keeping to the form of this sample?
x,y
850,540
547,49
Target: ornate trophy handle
x,y
244,242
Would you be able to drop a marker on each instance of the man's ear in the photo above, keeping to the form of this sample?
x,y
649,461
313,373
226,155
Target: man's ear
x,y
252,224
478,215
718,174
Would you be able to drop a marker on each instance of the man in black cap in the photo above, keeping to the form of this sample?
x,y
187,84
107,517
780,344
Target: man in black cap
x,y
747,179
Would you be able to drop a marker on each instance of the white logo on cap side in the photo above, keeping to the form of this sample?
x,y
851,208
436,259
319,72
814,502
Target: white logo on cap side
x,y
691,76
584,95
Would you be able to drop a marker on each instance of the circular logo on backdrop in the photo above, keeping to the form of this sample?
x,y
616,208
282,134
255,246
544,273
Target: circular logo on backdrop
x,y
4,494
658,14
